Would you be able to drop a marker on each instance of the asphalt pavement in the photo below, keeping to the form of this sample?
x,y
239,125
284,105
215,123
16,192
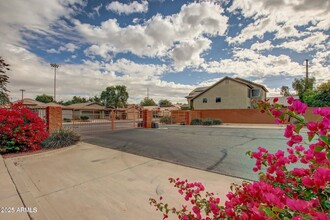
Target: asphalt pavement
x,y
216,149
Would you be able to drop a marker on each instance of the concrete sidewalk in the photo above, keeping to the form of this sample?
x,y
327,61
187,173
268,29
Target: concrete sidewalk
x,y
9,197
90,182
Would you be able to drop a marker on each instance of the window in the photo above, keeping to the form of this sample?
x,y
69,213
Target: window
x,y
204,100
218,99
255,92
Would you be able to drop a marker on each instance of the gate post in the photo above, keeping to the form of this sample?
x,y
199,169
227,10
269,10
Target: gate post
x,y
147,118
134,125
54,118
187,117
112,119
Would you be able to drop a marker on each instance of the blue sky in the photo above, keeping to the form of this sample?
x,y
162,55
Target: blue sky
x,y
169,47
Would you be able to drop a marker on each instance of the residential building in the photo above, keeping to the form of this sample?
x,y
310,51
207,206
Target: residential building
x,y
40,107
227,93
91,109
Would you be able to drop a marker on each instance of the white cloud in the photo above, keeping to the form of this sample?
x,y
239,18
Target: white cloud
x,y
306,44
246,63
280,17
133,7
179,31
267,45
87,79
188,53
52,51
70,47
35,15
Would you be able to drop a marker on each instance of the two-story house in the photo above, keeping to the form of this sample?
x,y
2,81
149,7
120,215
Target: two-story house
x,y
227,93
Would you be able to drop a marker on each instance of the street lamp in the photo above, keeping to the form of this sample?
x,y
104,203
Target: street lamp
x,y
55,67
22,90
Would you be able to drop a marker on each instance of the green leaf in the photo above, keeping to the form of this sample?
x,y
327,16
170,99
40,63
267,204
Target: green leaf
x,y
249,153
269,212
298,127
310,138
326,204
325,139
301,118
318,148
275,209
328,155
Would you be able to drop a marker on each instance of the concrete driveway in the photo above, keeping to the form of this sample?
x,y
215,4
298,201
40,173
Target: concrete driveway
x,y
90,182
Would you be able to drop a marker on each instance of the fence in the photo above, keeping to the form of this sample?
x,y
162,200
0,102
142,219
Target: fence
x,y
89,121
167,117
245,116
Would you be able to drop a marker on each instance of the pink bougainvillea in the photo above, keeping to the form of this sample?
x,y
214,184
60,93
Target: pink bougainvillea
x,y
280,192
21,129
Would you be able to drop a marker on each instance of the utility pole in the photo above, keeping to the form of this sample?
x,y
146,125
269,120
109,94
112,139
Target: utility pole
x,y
306,79
55,67
22,90
148,93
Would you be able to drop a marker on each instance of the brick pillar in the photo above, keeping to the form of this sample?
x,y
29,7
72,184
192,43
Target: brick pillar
x,y
187,117
147,118
54,118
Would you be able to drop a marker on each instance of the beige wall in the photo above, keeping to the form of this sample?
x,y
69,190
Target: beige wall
x,y
233,95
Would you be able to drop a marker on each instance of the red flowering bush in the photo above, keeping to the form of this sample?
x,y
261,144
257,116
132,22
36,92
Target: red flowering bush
x,y
20,129
281,193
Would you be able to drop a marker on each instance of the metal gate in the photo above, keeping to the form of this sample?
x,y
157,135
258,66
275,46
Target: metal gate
x,y
111,120
166,117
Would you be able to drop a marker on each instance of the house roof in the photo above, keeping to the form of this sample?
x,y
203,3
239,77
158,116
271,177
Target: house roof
x,y
251,83
87,106
30,102
197,91
44,105
201,90
150,108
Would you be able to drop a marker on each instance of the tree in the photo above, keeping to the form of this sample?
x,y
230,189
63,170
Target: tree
x,y
299,85
75,100
148,102
115,96
44,98
95,99
4,79
285,91
308,97
324,86
164,103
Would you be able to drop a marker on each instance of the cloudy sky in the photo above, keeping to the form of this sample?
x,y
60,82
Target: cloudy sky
x,y
167,46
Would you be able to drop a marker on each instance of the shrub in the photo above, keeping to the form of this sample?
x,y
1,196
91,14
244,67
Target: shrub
x,y
21,129
166,120
283,191
196,121
216,122
66,120
207,122
84,117
61,138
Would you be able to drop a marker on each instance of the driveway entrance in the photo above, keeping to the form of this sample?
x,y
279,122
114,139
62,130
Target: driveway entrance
x,y
109,121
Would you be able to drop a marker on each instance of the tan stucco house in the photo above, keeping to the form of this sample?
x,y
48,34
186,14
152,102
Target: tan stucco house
x,y
40,107
227,93
91,109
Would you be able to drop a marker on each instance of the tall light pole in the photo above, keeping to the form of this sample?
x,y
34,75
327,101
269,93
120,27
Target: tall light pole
x,y
306,79
22,90
55,67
